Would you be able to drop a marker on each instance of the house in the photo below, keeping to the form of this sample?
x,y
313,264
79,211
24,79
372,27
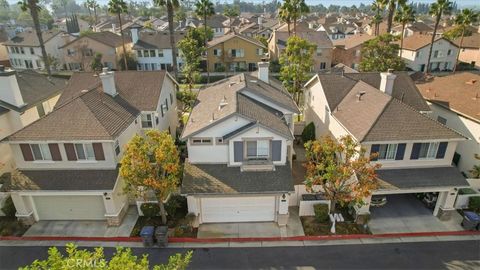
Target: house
x,y
349,50
470,50
79,53
153,49
219,25
68,160
245,125
24,49
369,28
416,48
455,102
322,57
386,114
4,60
339,30
415,28
25,97
262,28
234,52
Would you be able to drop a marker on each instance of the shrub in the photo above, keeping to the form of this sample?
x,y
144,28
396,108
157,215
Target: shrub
x,y
176,206
150,209
9,208
474,204
465,191
308,133
220,69
321,212
362,219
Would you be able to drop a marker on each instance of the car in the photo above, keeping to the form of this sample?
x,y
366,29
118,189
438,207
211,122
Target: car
x,y
378,201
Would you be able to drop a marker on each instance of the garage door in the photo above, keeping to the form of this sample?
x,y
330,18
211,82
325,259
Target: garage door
x,y
238,209
70,207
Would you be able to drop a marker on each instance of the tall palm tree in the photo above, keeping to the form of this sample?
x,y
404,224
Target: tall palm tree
x,y
285,15
463,20
119,7
297,9
171,5
92,5
230,12
404,15
378,6
437,9
392,7
35,8
87,5
204,9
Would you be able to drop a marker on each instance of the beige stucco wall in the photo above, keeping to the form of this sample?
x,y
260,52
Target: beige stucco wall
x,y
469,56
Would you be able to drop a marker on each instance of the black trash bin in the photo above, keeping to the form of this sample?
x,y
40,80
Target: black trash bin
x,y
161,234
147,235
470,221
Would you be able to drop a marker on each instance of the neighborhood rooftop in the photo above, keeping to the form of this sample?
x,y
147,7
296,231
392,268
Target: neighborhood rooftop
x,y
30,39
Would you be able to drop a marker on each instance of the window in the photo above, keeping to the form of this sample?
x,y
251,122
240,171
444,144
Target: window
x,y
198,141
417,55
357,53
387,151
32,51
260,51
258,149
171,99
323,65
40,110
84,151
237,53
38,63
154,66
88,52
70,52
41,152
147,120
442,120
145,53
220,141
139,53
166,104
435,54
139,66
28,64
152,53
428,150
217,52
160,53
319,52
449,52
22,51
163,66
117,148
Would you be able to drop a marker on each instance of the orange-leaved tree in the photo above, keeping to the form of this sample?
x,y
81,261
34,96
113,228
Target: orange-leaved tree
x,y
151,164
341,169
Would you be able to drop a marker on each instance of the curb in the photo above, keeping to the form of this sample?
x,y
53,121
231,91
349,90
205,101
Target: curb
x,y
245,239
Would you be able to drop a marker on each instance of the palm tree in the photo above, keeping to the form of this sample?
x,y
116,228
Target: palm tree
x,y
437,9
230,12
87,5
392,7
171,5
92,5
378,6
204,9
463,20
404,15
298,8
285,15
118,7
34,8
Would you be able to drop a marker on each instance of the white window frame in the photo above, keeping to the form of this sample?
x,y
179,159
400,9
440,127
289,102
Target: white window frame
x,y
43,150
262,149
431,151
201,141
389,151
88,152
144,119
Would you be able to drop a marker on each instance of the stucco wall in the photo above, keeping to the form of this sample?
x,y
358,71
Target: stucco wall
x,y
414,62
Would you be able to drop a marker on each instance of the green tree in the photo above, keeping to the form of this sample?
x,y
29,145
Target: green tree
x,y
96,64
122,259
296,61
378,6
34,8
92,5
392,7
119,7
437,9
285,15
231,12
342,170
170,5
131,62
151,164
204,9
463,21
191,50
404,15
381,54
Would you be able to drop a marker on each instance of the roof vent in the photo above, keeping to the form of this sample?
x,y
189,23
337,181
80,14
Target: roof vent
x,y
84,91
223,103
471,82
231,84
253,81
360,94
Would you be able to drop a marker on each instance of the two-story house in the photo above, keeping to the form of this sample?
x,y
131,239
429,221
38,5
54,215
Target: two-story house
x,y
234,52
239,138
415,53
25,96
68,160
348,51
24,49
79,53
470,50
385,114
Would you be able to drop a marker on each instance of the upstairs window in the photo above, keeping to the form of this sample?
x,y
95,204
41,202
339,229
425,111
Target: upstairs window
x,y
152,53
84,151
147,120
200,141
32,51
41,152
387,151
139,53
160,53
217,52
145,53
428,150
258,149
260,51
319,52
117,148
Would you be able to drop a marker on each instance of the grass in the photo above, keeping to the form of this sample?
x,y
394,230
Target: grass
x,y
10,226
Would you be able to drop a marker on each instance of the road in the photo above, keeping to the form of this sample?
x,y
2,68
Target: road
x,y
419,255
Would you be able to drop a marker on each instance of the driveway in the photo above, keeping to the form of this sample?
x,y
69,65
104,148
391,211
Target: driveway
x,y
91,228
405,214
253,229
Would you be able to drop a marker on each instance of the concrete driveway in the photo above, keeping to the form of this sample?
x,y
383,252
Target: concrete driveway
x,y
91,228
404,213
253,229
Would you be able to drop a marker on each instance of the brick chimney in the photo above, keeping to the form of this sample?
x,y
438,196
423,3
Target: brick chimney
x,y
9,89
108,82
387,81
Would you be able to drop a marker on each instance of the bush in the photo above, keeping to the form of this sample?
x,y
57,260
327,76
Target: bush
x,y
321,212
150,209
474,204
308,133
465,191
9,208
176,206
220,69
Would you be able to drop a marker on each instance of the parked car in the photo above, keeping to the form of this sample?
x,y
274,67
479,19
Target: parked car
x,y
378,201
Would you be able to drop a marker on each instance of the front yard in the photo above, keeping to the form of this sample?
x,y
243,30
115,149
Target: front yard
x,y
10,226
313,227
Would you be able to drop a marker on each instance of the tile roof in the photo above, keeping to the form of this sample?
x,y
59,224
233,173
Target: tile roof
x,y
156,40
30,39
318,38
221,179
352,41
418,41
459,92
221,39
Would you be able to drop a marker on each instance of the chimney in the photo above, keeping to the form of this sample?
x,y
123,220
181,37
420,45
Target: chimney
x,y
108,82
263,71
114,26
134,33
9,89
260,22
387,81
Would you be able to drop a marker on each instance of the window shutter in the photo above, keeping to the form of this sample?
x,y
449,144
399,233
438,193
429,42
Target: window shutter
x,y
98,150
277,150
166,104
442,148
374,149
415,150
400,151
237,151
26,152
70,150
55,151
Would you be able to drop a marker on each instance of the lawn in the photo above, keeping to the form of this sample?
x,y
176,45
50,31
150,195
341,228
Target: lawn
x,y
10,226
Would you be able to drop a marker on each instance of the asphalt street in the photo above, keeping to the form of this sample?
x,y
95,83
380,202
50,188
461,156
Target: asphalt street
x,y
418,255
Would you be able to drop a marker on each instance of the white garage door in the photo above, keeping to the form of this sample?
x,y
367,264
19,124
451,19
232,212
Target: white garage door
x,y
70,207
238,209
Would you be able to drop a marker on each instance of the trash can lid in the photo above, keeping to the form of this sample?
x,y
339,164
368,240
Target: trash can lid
x,y
147,231
471,216
161,229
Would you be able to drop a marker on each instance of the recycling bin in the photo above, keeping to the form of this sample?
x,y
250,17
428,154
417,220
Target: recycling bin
x,y
470,221
147,236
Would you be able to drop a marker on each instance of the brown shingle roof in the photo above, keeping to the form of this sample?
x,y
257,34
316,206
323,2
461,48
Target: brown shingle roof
x,y
471,42
107,38
30,39
156,40
416,42
231,35
352,42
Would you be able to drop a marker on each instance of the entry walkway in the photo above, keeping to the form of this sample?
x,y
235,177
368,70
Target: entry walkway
x,y
406,214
